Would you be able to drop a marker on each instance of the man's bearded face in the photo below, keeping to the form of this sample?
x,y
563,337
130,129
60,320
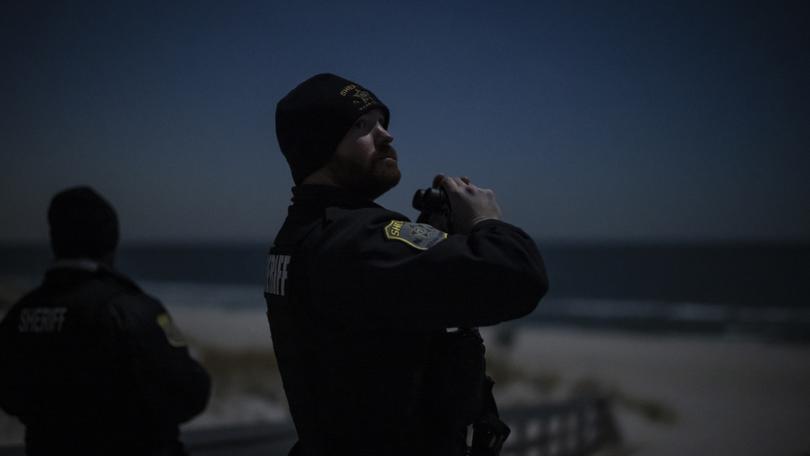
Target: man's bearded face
x,y
364,161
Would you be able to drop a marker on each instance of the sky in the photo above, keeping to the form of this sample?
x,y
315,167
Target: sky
x,y
592,121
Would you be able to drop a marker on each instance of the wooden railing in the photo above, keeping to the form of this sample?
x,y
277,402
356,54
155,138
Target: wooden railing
x,y
576,427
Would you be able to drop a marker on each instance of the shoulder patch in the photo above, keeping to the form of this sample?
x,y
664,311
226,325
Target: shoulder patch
x,y
172,333
417,235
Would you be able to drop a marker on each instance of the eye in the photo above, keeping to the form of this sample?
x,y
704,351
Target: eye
x,y
361,124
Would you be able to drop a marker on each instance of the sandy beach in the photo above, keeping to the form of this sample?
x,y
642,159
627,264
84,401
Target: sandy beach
x,y
719,396
673,394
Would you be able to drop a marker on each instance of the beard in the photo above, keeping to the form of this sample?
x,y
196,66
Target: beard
x,y
369,179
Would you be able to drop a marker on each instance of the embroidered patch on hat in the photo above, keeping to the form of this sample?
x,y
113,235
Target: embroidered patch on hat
x,y
172,333
361,98
417,235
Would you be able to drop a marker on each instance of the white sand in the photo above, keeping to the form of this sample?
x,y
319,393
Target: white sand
x,y
230,330
732,397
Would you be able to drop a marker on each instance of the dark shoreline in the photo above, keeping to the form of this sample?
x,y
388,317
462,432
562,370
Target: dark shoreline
x,y
757,274
759,289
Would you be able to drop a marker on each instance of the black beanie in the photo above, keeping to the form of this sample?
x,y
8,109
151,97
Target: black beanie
x,y
83,224
312,119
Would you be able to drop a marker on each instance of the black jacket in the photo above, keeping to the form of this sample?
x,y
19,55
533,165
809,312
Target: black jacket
x,y
359,300
92,365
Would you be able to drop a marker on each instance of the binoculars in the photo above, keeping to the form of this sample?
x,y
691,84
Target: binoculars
x,y
430,200
434,208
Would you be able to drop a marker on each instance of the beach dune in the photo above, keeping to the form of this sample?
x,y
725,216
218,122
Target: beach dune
x,y
674,394
720,396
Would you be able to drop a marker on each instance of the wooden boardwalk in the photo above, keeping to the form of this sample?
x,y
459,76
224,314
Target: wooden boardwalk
x,y
577,427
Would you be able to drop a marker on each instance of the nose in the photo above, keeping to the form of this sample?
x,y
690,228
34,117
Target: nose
x,y
382,134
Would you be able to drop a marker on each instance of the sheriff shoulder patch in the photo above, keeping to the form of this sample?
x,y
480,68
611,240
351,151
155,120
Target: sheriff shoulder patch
x,y
172,333
417,235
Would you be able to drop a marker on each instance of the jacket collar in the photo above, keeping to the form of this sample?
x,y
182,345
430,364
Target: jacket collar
x,y
72,269
84,264
328,196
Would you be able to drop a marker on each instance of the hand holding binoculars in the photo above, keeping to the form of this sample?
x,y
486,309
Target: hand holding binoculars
x,y
458,208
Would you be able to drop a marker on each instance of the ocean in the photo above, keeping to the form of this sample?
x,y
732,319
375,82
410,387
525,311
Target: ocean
x,y
752,289
713,336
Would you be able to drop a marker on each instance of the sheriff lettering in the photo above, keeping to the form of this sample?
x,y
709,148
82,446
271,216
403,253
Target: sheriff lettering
x,y
42,319
277,274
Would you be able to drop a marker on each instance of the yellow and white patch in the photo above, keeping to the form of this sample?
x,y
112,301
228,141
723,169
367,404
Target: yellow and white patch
x,y
172,333
417,235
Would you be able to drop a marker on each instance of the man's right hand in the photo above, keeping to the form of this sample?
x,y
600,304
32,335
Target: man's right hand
x,y
469,204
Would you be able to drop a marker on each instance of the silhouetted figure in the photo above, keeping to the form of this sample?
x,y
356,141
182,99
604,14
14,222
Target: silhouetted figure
x,y
362,302
90,364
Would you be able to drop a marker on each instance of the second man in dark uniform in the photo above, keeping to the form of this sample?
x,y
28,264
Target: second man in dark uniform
x,y
91,364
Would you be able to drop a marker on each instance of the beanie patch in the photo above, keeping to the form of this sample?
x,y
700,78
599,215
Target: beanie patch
x,y
362,99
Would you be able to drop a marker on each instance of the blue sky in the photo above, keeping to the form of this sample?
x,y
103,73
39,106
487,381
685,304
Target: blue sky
x,y
645,121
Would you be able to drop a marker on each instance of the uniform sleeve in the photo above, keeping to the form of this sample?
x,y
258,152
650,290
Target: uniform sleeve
x,y
360,276
173,386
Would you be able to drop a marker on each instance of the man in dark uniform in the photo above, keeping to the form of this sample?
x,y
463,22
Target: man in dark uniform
x,y
90,364
361,300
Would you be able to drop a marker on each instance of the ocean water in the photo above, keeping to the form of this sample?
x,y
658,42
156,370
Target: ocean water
x,y
753,289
